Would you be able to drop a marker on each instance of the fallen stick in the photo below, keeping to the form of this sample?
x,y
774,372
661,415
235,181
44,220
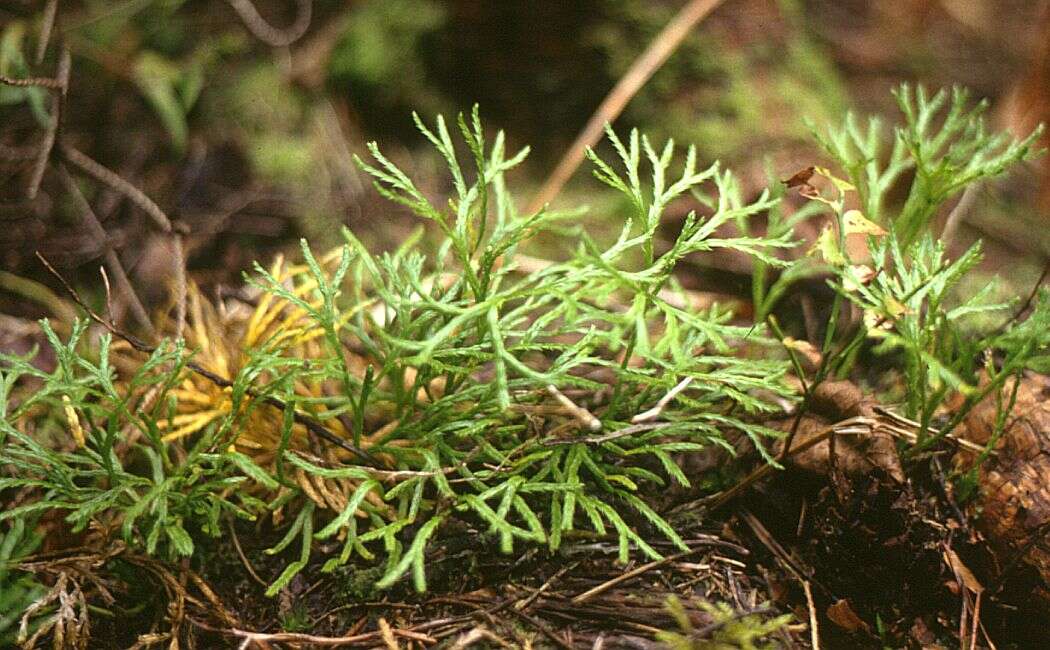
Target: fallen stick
x,y
665,43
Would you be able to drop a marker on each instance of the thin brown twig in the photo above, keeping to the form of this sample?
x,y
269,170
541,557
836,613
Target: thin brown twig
x,y
524,604
107,177
178,263
397,475
759,530
976,620
645,568
477,634
41,82
266,32
719,499
244,558
46,25
814,631
109,292
313,426
796,422
1031,296
179,595
606,437
546,631
54,124
94,226
665,43
901,427
655,412
325,641
584,416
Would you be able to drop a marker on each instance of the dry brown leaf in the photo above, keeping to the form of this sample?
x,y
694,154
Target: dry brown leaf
x,y
860,275
922,635
963,571
800,177
855,455
841,613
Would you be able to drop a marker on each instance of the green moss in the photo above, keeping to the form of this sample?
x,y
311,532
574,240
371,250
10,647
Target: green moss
x,y
280,157
380,56
296,619
357,584
260,100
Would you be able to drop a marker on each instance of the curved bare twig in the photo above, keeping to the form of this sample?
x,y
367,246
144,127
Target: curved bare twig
x,y
58,105
91,223
48,23
108,177
266,32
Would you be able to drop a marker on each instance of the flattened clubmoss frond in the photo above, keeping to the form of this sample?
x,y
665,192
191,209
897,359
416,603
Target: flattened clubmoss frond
x,y
906,286
490,394
943,140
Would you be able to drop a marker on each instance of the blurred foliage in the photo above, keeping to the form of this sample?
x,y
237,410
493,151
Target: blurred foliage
x,y
18,590
13,63
198,81
429,56
709,92
271,120
380,56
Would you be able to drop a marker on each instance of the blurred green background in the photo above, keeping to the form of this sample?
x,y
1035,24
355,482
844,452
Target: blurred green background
x,y
249,146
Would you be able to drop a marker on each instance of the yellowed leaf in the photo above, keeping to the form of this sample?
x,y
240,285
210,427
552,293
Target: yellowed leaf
x,y
387,634
827,246
74,421
840,183
894,307
808,351
856,223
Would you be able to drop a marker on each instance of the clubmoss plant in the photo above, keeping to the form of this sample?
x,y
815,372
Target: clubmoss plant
x,y
525,403
904,283
370,398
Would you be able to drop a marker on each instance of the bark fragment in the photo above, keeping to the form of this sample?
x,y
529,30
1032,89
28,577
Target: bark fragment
x,y
852,455
1014,483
